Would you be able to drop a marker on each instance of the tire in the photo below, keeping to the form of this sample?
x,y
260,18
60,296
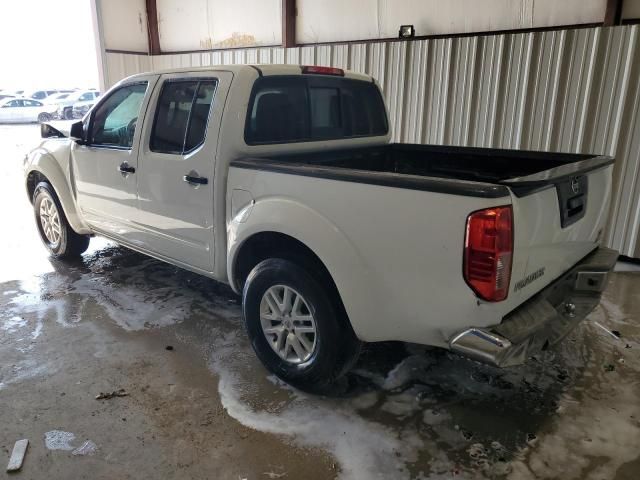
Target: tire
x,y
55,232
312,365
44,117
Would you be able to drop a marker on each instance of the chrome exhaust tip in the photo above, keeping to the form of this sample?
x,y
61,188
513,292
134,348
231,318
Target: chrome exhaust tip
x,y
481,345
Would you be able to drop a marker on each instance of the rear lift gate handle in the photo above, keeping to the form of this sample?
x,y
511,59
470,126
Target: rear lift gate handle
x,y
572,199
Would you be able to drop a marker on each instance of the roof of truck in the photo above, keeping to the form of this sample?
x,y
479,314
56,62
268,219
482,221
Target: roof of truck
x,y
267,69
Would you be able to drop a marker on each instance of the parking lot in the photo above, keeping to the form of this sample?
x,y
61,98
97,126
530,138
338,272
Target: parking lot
x,y
198,404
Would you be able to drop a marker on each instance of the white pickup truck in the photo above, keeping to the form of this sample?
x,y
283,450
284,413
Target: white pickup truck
x,y
280,181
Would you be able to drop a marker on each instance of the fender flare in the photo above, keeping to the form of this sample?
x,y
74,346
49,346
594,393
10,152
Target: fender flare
x,y
45,163
356,286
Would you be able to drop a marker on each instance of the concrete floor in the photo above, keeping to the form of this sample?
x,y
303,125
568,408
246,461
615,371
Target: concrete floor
x,y
207,408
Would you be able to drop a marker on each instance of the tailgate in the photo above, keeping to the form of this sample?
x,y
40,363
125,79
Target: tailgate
x,y
559,218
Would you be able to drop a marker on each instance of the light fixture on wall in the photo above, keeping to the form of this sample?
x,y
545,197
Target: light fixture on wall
x,y
407,31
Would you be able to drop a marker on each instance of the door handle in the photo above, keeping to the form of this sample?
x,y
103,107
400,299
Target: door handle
x,y
126,168
193,180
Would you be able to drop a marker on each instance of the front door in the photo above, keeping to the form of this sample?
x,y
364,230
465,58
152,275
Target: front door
x,y
10,111
106,166
178,150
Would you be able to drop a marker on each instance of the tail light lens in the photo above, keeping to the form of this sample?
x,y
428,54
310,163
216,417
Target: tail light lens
x,y
488,251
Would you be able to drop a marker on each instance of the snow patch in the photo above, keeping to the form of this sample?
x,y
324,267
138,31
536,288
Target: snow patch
x,y
59,440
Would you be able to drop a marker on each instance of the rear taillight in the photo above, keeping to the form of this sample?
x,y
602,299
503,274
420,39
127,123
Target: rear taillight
x,y
488,250
323,70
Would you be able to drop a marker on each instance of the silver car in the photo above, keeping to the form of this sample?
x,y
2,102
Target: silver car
x,y
65,106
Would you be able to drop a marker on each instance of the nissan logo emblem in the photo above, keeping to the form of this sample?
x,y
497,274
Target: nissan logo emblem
x,y
575,185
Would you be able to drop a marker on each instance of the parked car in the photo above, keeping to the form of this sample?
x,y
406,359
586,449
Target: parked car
x,y
281,181
24,110
81,108
65,106
56,98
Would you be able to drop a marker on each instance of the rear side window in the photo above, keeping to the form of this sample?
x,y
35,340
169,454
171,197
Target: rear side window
x,y
286,109
182,114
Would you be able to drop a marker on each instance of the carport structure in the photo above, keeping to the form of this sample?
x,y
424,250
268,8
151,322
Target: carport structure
x,y
527,74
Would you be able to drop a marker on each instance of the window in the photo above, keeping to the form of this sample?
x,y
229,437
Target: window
x,y
326,116
182,114
31,103
114,121
304,108
85,96
39,94
14,103
279,111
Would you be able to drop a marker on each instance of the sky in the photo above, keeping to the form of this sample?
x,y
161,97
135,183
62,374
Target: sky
x,y
47,44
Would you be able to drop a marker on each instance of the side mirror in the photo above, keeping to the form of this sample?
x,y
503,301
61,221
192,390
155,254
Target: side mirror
x,y
77,133
47,131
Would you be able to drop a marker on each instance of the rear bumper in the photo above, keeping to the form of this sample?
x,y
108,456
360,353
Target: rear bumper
x,y
544,319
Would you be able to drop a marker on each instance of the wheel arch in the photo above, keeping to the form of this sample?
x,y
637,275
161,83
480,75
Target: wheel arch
x,y
44,168
272,244
287,225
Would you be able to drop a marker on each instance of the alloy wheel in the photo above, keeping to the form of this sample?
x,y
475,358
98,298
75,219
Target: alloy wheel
x,y
50,221
288,324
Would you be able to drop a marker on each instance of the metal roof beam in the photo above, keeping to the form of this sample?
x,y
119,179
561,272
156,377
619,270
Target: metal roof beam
x,y
153,33
289,23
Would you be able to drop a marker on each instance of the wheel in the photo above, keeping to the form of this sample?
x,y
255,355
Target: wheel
x,y
297,328
44,117
56,234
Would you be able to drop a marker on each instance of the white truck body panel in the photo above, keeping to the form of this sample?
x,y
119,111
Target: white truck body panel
x,y
397,258
541,242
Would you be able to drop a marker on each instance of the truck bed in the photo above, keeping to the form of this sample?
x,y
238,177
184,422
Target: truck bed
x,y
443,168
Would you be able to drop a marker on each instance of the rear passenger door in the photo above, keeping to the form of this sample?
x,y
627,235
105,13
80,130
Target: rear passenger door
x,y
176,166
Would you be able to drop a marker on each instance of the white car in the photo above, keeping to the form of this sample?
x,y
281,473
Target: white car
x,y
39,94
25,110
280,181
7,94
56,98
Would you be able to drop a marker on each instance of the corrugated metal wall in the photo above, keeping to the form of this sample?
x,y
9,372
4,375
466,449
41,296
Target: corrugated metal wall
x,y
570,90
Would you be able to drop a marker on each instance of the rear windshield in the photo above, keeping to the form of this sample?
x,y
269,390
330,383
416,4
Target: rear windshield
x,y
287,109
